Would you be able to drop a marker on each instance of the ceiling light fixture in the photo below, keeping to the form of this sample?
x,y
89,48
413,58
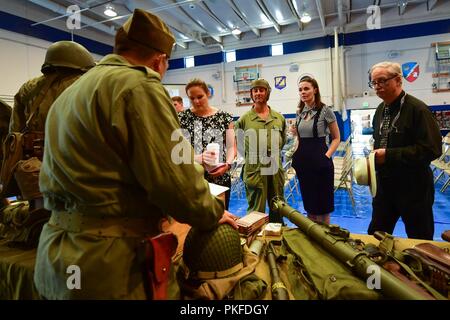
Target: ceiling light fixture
x,y
110,11
236,31
305,18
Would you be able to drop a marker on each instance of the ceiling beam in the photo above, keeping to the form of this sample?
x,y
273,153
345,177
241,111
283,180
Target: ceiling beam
x,y
188,33
240,15
340,7
295,13
217,38
431,4
183,45
321,16
167,18
62,11
268,15
205,8
348,5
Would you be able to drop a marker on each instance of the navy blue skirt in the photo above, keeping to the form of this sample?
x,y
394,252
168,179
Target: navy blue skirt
x,y
315,172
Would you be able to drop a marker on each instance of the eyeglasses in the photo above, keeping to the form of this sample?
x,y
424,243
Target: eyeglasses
x,y
381,82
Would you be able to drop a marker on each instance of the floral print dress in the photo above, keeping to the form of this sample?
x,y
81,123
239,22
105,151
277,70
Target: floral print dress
x,y
201,131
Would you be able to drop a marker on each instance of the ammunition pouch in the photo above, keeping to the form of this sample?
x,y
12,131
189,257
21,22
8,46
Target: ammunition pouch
x,y
21,226
12,153
27,178
22,146
33,144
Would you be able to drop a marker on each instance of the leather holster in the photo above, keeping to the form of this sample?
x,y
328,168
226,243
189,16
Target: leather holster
x,y
157,253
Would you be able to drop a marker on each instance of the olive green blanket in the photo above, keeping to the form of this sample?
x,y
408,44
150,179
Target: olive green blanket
x,y
16,273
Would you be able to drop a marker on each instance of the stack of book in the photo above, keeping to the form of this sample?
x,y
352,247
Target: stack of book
x,y
250,224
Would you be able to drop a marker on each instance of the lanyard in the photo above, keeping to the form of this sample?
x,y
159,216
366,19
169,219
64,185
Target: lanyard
x,y
392,126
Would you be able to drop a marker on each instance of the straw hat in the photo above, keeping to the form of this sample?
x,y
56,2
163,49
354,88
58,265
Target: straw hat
x,y
364,173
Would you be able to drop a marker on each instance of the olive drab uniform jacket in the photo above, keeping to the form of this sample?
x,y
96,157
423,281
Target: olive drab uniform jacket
x,y
260,186
29,92
5,116
108,155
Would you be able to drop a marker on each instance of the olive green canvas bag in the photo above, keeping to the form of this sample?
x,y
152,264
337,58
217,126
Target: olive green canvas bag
x,y
327,277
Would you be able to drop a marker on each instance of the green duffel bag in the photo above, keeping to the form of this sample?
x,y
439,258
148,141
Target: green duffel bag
x,y
21,226
325,275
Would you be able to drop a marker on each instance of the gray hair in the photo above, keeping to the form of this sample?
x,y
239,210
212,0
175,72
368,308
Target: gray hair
x,y
392,67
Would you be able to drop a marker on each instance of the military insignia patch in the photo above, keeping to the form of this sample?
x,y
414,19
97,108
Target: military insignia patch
x,y
410,71
280,82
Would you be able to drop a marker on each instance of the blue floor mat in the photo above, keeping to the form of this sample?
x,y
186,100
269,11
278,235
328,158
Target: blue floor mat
x,y
356,219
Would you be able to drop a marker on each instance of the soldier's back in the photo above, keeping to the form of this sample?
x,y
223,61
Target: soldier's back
x,y
37,95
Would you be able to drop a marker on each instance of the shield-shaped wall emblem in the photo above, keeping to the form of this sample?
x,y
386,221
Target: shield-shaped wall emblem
x,y
280,82
410,71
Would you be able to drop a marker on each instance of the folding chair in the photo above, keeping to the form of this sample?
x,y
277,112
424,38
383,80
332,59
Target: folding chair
x,y
343,172
446,183
342,148
291,182
441,164
237,185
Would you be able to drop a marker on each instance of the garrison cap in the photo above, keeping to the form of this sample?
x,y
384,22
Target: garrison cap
x,y
150,31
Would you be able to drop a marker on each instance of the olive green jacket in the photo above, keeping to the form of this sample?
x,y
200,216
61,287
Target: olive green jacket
x,y
5,116
252,144
31,90
108,154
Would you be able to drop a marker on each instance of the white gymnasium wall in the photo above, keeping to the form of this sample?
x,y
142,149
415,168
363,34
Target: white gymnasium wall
x,y
285,100
358,60
21,58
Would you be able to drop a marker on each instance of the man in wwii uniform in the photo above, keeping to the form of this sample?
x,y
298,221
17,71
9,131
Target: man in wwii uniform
x,y
5,116
108,176
65,62
265,134
407,139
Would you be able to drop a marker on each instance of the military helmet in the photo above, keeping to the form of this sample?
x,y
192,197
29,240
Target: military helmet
x,y
67,54
260,83
213,254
